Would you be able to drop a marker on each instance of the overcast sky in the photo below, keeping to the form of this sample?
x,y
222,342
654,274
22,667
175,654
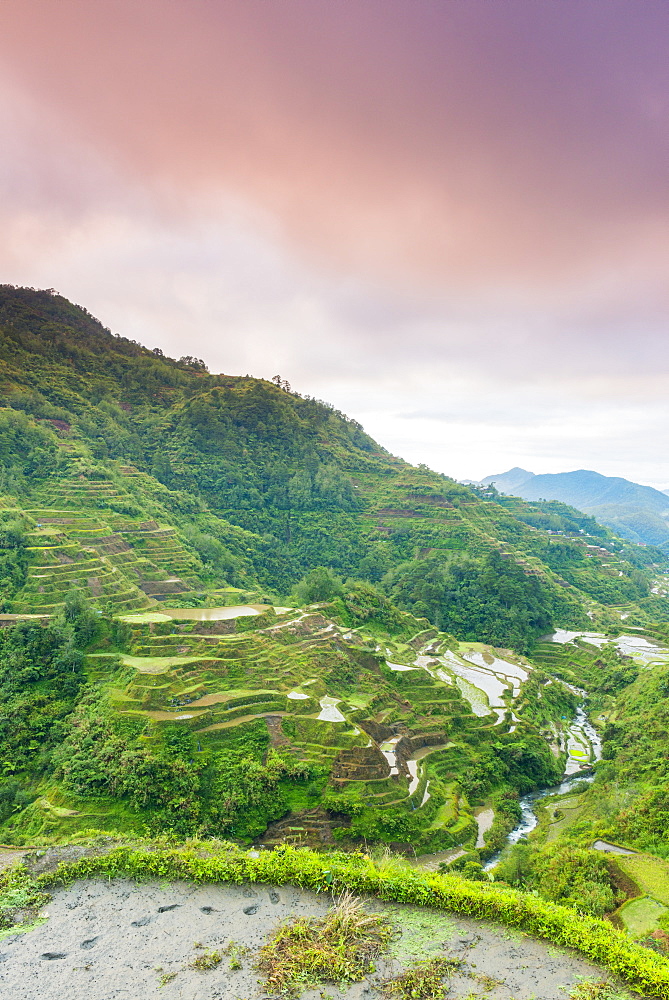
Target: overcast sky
x,y
447,217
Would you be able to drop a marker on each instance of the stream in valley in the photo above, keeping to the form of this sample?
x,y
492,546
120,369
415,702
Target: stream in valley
x,y
584,746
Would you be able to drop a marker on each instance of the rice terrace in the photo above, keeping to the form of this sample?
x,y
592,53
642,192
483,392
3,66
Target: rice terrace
x,y
302,696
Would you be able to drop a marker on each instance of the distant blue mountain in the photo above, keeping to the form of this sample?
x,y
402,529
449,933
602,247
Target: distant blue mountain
x,y
637,512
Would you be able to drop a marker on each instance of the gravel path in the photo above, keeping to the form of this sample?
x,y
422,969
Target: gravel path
x,y
122,940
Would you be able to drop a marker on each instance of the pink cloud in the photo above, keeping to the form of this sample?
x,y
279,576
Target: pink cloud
x,y
467,142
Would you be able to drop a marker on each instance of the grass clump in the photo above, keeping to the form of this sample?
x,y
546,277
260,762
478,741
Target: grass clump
x,y
423,981
336,948
597,990
206,961
235,952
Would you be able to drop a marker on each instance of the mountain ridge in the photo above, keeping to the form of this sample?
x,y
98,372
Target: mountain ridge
x,y
640,513
228,612
198,482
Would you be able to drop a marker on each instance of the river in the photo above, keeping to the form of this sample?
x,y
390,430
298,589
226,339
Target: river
x,y
581,733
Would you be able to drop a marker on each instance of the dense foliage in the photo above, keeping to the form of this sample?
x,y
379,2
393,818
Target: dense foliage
x,y
490,597
636,751
41,674
235,791
562,873
265,485
13,557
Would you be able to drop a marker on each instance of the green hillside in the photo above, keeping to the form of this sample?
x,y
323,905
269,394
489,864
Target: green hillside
x,y
371,667
130,477
638,513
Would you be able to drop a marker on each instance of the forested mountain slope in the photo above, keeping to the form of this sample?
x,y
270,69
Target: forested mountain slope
x,y
130,476
639,513
374,669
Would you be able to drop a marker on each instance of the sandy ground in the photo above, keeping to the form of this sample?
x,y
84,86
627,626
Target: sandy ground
x,y
108,940
9,857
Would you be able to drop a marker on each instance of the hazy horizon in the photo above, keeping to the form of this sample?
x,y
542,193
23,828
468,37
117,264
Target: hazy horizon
x,y
449,220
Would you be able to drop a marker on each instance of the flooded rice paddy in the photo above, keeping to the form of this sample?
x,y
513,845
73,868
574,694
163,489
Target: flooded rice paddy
x,y
195,614
388,751
329,711
212,614
636,646
513,673
482,678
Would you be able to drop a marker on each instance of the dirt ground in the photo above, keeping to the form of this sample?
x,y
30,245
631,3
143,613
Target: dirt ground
x,y
122,940
9,856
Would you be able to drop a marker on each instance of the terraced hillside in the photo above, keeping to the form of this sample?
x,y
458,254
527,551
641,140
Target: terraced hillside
x,y
76,541
295,727
187,482
160,525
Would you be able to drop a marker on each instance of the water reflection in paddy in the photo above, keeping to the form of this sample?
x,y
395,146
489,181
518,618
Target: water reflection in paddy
x,y
329,711
211,614
475,697
479,677
388,750
498,666
636,646
478,685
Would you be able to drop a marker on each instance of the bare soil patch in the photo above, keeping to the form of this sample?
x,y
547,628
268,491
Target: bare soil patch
x,y
124,940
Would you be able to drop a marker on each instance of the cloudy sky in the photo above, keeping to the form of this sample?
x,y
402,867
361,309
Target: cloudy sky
x,y
449,218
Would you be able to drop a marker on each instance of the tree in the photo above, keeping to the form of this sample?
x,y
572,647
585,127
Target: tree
x,y
320,584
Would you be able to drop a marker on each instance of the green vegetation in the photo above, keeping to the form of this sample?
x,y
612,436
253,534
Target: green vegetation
x,y
640,916
636,748
562,873
207,960
601,990
649,873
491,598
131,476
41,676
20,897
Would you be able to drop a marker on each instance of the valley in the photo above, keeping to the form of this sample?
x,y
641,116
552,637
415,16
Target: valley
x,y
230,617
